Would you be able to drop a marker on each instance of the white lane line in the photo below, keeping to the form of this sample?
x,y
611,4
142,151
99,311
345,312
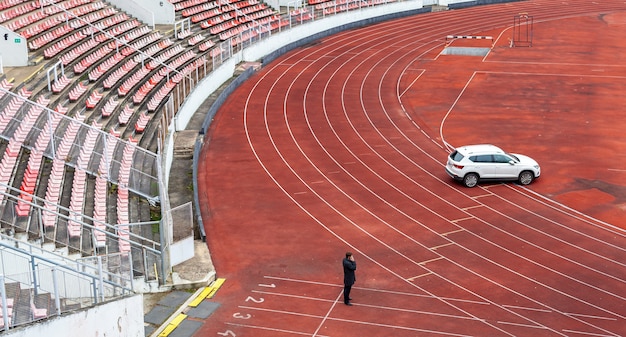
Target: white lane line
x,y
590,316
384,291
459,220
588,333
418,276
472,207
328,314
422,71
400,327
543,200
523,325
271,329
431,260
287,279
378,307
444,245
458,230
526,308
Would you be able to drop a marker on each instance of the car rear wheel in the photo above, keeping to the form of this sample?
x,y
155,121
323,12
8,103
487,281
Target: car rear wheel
x,y
526,177
470,180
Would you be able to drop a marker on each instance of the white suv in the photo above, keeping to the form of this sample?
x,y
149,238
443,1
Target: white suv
x,y
472,163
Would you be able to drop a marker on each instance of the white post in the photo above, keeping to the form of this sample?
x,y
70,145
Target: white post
x,y
5,312
100,279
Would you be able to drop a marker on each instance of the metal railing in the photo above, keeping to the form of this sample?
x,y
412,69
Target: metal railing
x,y
35,284
143,260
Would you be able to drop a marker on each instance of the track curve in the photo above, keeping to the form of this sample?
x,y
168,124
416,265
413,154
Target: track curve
x,y
340,146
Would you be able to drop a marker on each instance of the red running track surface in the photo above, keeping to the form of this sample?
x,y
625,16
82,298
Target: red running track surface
x,y
340,146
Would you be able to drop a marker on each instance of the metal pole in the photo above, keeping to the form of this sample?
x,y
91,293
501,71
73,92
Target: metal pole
x,y
5,312
132,278
57,297
94,290
100,278
33,269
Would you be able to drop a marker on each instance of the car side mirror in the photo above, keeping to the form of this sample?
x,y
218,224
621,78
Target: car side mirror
x,y
511,162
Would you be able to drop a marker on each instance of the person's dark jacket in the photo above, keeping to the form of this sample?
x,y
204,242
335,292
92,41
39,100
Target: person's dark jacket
x,y
348,272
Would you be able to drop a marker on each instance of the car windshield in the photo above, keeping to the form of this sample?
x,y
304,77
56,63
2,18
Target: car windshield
x,y
514,157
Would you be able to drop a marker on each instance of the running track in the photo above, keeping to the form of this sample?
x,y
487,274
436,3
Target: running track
x,y
341,145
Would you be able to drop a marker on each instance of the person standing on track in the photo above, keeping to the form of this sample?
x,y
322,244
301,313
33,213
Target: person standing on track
x,y
349,267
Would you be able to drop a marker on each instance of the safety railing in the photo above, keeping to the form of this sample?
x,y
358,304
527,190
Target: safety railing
x,y
35,285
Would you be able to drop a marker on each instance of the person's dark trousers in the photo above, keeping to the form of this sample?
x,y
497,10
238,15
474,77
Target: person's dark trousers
x,y
346,294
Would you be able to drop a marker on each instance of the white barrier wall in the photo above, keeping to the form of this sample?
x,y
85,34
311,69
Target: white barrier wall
x,y
220,75
277,41
447,2
150,12
254,53
192,103
13,48
123,317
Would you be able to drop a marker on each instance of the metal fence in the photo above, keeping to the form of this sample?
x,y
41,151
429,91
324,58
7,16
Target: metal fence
x,y
97,240
34,287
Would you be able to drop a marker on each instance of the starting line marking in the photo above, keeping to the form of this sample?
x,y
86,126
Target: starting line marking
x,y
431,260
469,37
273,329
525,308
471,207
459,220
411,279
440,246
524,325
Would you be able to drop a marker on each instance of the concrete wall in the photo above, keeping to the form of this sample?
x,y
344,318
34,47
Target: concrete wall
x,y
457,4
119,318
150,12
448,2
278,42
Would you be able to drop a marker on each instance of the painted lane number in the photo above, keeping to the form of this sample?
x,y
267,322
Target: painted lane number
x,y
252,299
240,316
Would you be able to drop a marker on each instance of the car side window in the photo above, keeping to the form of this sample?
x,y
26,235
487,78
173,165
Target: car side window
x,y
500,158
483,158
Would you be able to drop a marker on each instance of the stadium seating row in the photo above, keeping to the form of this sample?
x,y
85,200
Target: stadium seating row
x,y
130,72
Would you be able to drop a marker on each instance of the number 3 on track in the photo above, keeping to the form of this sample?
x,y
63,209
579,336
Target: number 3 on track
x,y
238,315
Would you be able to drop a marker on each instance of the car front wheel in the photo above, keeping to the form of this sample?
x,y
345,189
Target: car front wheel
x,y
526,177
470,180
